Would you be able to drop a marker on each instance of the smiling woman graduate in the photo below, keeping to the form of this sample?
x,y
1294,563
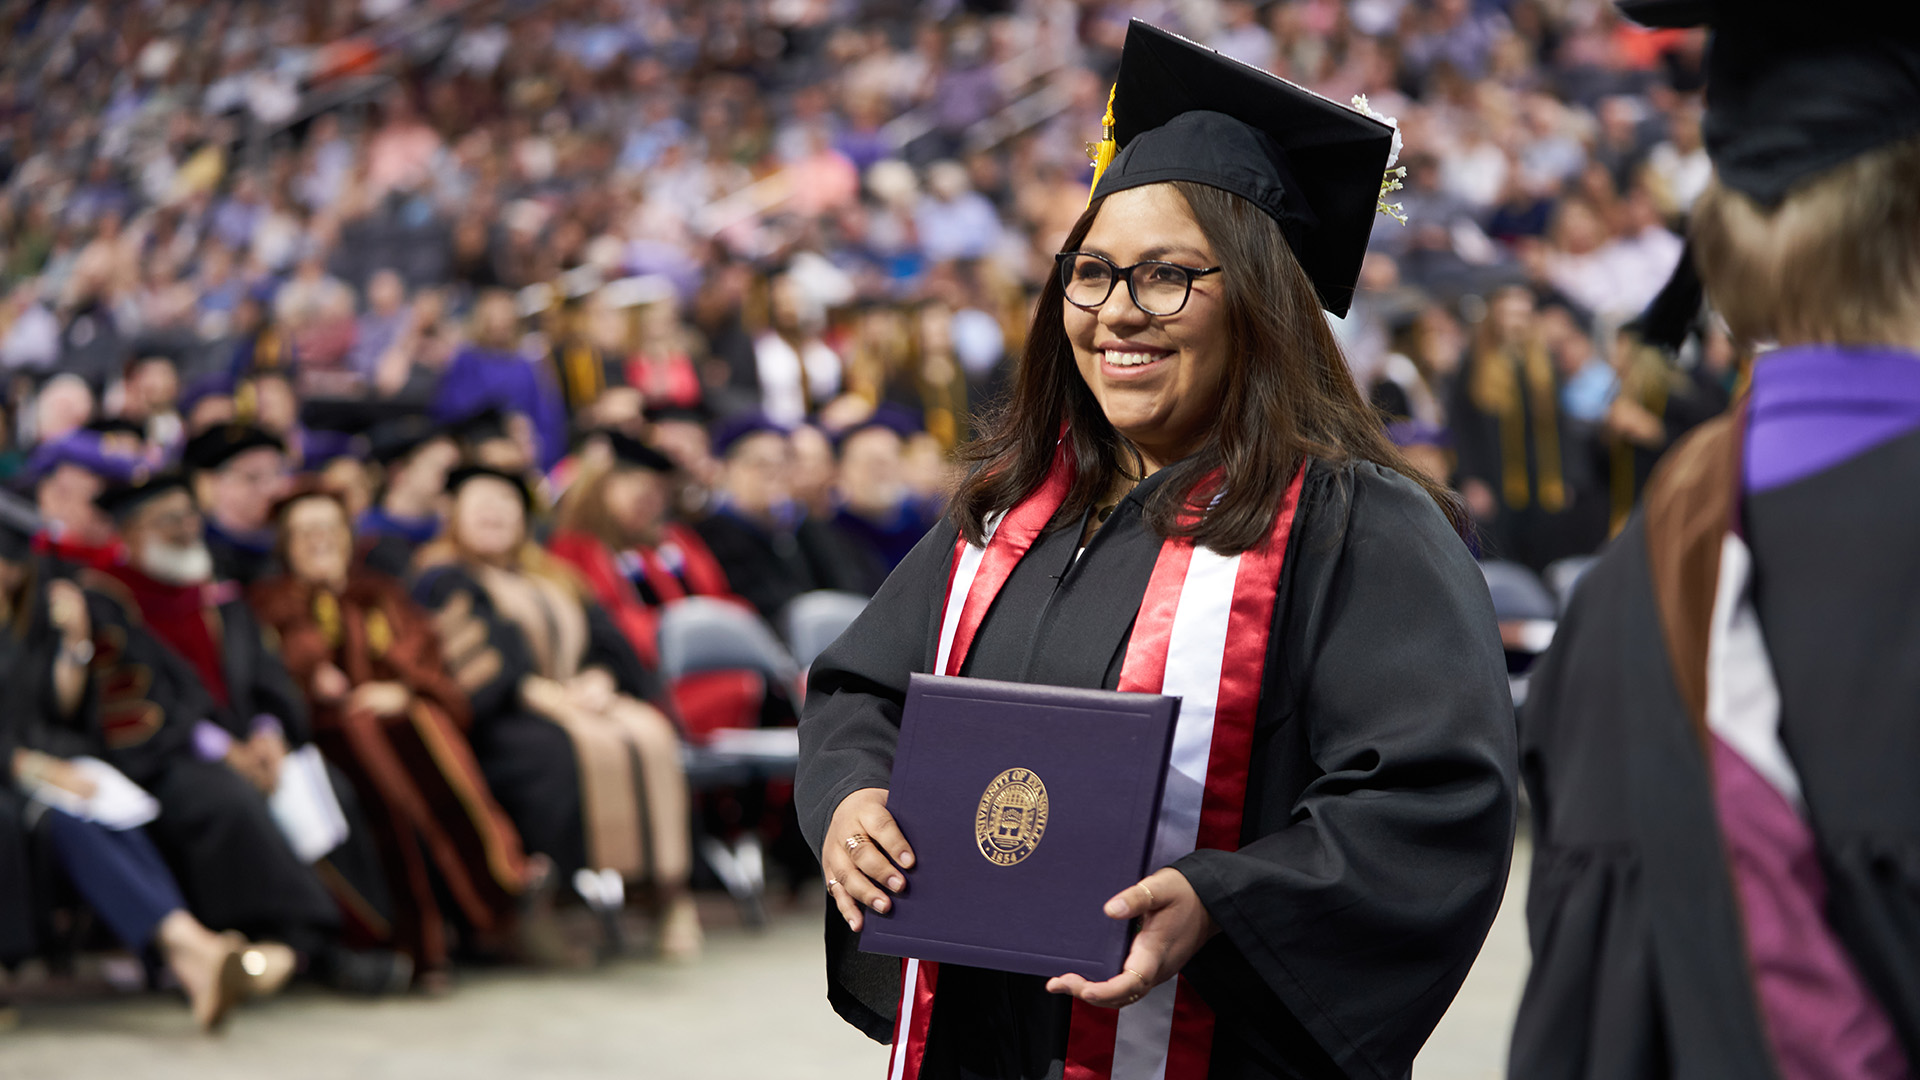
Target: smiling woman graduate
x,y
1188,495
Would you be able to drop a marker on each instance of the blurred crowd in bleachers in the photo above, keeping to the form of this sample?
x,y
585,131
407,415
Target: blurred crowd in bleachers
x,y
713,288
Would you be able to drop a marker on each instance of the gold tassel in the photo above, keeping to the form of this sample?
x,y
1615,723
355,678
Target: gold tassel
x,y
1102,152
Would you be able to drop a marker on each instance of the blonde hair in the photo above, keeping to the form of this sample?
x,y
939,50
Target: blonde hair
x,y
1837,261
583,509
528,558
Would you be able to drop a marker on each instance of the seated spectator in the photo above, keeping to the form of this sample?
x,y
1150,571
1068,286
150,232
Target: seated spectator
x,y
414,456
68,475
215,717
63,407
661,367
589,772
489,371
874,507
381,325
386,711
238,471
152,399
205,403
770,550
612,527
51,745
1522,467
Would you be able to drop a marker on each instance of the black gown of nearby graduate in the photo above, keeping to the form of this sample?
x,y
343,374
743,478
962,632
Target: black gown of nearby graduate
x,y
1640,966
1381,792
32,721
529,760
233,862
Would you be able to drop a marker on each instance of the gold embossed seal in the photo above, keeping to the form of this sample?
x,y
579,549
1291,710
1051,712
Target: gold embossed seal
x,y
1012,817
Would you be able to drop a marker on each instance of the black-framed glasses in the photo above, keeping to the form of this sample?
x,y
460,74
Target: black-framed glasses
x,y
1157,288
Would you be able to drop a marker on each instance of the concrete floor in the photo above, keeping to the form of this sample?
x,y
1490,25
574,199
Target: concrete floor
x,y
755,1006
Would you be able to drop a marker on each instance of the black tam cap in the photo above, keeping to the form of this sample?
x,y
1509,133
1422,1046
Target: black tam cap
x,y
391,441
1793,91
459,478
216,446
630,452
19,521
119,501
1185,112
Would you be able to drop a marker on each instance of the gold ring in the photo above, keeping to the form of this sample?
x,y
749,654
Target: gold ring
x,y
831,882
1145,888
1143,980
854,842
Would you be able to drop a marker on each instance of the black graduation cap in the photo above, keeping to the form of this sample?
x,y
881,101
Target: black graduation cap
x,y
119,501
216,446
1184,112
458,478
352,415
888,416
395,439
116,425
629,451
19,521
733,429
1793,91
483,426
668,412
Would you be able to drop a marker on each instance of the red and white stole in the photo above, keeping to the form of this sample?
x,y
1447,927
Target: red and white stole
x,y
1201,634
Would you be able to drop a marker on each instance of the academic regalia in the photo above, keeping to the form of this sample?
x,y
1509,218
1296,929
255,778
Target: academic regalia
x,y
553,771
885,542
1379,805
233,863
767,566
1355,801
1532,457
423,791
1640,965
27,649
1719,742
239,557
1682,401
387,542
479,378
238,684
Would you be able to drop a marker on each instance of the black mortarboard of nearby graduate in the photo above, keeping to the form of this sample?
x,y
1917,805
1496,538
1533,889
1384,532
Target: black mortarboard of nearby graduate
x,y
120,500
216,446
1794,90
1184,112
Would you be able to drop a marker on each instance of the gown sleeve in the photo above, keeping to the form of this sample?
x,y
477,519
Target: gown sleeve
x,y
274,692
1381,800
147,699
486,654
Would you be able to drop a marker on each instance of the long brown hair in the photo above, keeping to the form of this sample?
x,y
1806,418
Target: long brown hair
x,y
1290,398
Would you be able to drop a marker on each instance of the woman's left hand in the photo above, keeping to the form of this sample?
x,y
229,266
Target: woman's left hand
x,y
1173,926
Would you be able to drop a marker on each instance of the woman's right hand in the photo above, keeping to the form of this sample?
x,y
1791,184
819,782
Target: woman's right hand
x,y
864,855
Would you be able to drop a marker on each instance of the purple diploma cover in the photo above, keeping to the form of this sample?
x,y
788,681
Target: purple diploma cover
x,y
1027,808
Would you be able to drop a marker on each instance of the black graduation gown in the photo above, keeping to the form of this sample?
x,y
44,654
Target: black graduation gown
x,y
237,559
1640,969
1530,534
529,760
1380,803
33,722
768,568
233,863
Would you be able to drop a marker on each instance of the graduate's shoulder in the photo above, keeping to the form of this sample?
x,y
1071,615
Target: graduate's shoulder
x,y
1365,500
